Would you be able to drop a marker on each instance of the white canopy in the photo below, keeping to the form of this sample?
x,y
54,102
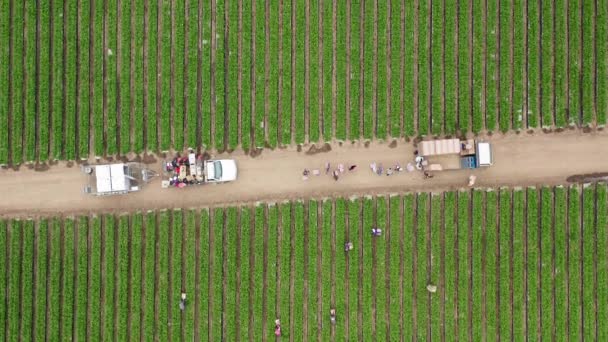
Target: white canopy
x,y
440,147
111,178
484,154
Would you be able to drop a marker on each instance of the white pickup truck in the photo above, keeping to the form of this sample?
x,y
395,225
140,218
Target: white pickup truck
x,y
219,171
194,170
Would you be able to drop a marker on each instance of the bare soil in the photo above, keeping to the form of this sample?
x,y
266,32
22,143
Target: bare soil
x,y
547,159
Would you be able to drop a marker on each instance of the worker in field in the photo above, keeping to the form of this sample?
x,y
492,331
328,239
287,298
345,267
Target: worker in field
x,y
182,302
376,232
277,327
348,246
332,316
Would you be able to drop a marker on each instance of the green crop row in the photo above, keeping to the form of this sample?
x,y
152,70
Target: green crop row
x,y
369,106
505,257
5,77
148,276
139,110
588,259
476,263
341,71
409,65
84,84
327,264
353,260
273,87
505,66
40,287
519,63
179,76
111,82
382,73
175,277
366,258
71,90
313,272
96,62
327,54
12,298
451,67
162,276
588,48
286,273
355,76
258,111
108,277
136,282
232,72
125,77
436,232
29,32
153,96
492,282
534,60
423,276
395,257
574,265
297,321
122,278
464,266
342,259
16,80
491,64
397,44
547,95
230,244
95,284
546,262
165,45
602,261
561,63
464,68
451,267
437,109
205,285
561,266
424,84
574,62
215,274
257,268
245,70
27,280
601,21
219,72
272,248
245,292
478,67
380,265
533,265
519,294
67,282
315,72
54,280
287,110
298,46
81,267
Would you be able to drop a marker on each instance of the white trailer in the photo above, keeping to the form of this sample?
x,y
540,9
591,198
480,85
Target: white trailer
x,y
116,179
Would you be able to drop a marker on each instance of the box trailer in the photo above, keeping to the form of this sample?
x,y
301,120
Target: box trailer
x,y
455,154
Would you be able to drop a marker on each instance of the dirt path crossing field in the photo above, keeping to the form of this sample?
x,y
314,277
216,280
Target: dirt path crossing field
x,y
519,160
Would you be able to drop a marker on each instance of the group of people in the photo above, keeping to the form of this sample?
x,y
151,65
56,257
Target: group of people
x,y
349,246
277,322
379,169
335,173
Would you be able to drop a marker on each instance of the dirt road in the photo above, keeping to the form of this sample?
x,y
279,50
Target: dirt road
x,y
519,160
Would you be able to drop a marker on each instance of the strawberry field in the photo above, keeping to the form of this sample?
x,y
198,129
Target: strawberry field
x,y
506,264
105,78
